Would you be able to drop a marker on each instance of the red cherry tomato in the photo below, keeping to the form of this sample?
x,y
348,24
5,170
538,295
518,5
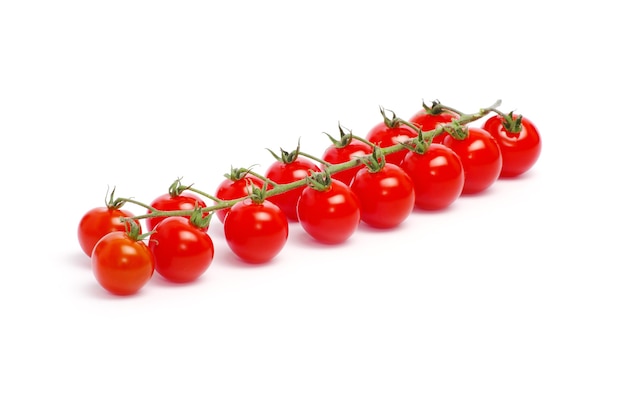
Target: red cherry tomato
x,y
437,176
256,232
386,196
235,187
330,216
481,159
284,173
520,150
122,265
167,202
384,136
98,222
427,120
336,154
182,251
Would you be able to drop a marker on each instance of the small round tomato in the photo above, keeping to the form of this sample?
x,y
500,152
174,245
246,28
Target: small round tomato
x,y
331,215
481,159
182,251
284,172
336,154
256,231
520,147
121,264
98,222
437,176
428,118
167,202
236,185
387,134
386,196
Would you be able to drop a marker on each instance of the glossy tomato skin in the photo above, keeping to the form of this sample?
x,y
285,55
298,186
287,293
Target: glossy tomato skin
x,y
232,189
481,158
167,202
335,155
429,121
386,197
330,216
437,176
256,232
385,136
122,265
98,222
182,251
520,151
284,173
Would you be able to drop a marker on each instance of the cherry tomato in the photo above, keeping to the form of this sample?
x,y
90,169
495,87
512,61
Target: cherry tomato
x,y
256,231
182,251
520,150
386,196
122,265
287,172
233,187
330,216
341,154
437,176
383,135
481,159
98,222
428,119
168,202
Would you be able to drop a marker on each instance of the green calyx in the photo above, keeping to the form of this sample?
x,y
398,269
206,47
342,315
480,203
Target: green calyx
x,y
375,161
320,180
345,137
456,130
198,218
512,123
177,188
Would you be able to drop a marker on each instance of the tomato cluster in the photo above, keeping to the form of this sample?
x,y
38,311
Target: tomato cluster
x,y
425,163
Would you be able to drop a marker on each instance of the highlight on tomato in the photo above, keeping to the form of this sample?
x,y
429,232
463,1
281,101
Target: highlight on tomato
x,y
256,230
429,117
121,262
519,141
390,132
177,198
385,192
347,148
182,248
288,168
328,210
237,184
481,158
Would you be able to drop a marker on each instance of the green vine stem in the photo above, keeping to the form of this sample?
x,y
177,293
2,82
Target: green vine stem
x,y
276,189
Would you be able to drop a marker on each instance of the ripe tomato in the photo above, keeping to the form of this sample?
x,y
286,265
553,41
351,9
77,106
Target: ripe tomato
x,y
384,135
428,119
520,150
122,265
182,251
481,159
335,154
235,185
437,176
330,216
287,172
167,202
386,196
98,222
256,231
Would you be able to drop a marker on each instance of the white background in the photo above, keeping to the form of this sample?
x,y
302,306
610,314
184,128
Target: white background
x,y
514,298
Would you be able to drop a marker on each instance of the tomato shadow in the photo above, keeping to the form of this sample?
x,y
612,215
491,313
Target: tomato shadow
x,y
94,291
301,238
229,259
159,281
79,259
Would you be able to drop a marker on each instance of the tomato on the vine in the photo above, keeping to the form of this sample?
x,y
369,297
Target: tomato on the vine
x,y
237,184
330,215
286,169
390,133
345,149
256,231
98,222
437,176
184,200
122,264
481,158
386,195
519,141
428,118
182,250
